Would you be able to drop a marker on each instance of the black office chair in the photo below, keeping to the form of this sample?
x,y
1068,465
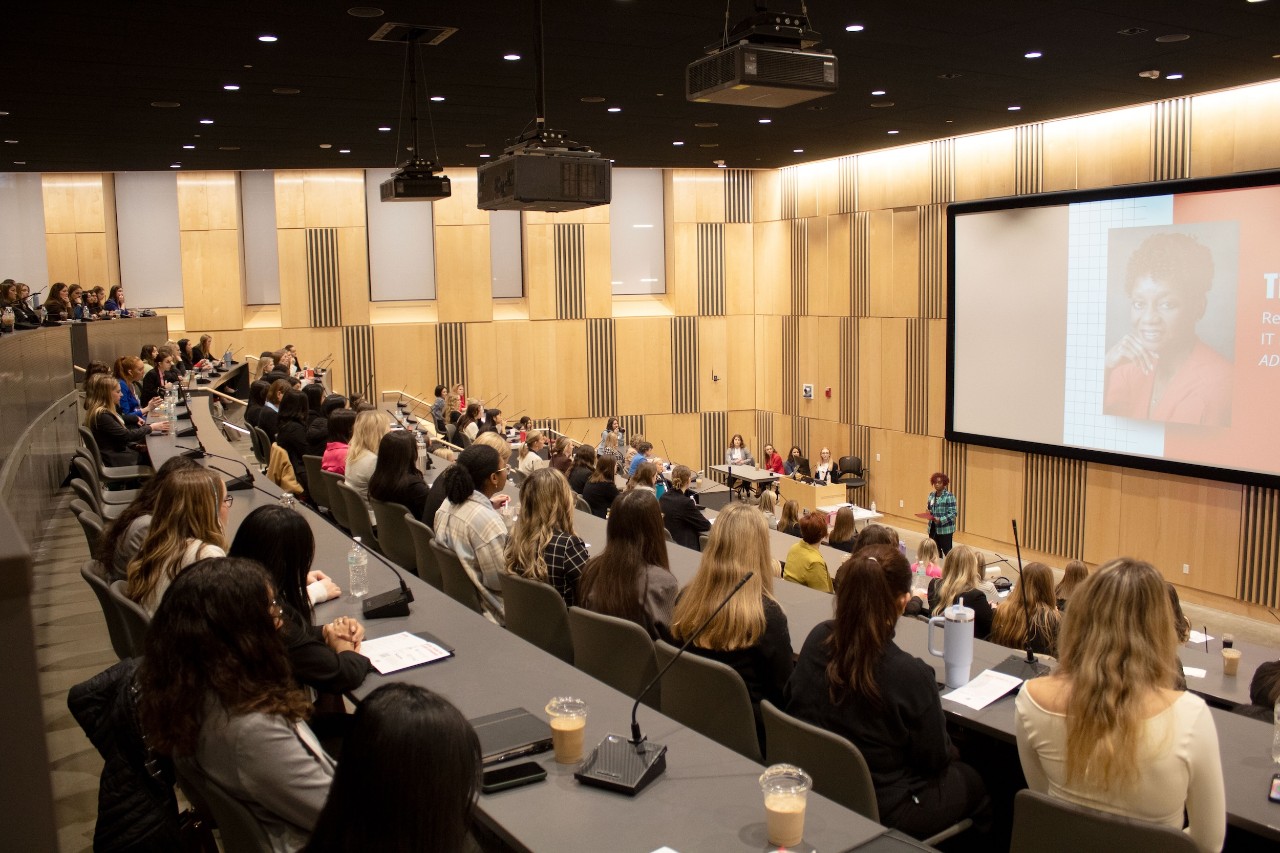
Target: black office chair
x,y
95,574
616,651
261,444
337,505
852,474
424,555
393,533
90,522
239,829
317,486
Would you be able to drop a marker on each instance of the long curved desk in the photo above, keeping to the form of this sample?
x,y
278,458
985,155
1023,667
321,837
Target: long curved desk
x,y
708,799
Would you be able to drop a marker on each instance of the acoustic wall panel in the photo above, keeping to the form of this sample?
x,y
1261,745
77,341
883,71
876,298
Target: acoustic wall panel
x,y
764,434
358,361
324,298
860,261
570,271
684,365
1028,159
150,246
799,267
713,433
402,254
632,424
1171,142
1259,579
848,370
602,377
917,384
800,438
1053,505
955,465
451,353
737,195
550,428
790,192
261,246
790,364
711,272
933,261
942,171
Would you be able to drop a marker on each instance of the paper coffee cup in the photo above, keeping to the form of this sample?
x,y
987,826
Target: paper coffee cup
x,y
1230,661
786,788
568,718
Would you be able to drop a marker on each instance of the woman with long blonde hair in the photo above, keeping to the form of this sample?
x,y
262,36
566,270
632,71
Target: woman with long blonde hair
x,y
362,451
542,545
193,513
117,442
1073,575
750,634
844,532
1107,730
789,518
768,504
961,574
1034,592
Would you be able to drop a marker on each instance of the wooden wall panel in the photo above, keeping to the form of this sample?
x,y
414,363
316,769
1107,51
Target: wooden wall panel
x,y
60,253
599,290
870,380
739,272
682,268
984,165
87,203
291,199
460,207
91,260
208,201
772,254
353,274
904,298
59,193
680,195
1059,153
766,195
463,289
898,177
291,248
899,465
892,361
993,492
488,367
1235,130
81,240
598,215
1103,498
1171,521
539,271
708,191
817,281
879,262
768,363
1112,147
334,198
675,437
937,399
839,247
559,375
644,365
405,358
212,280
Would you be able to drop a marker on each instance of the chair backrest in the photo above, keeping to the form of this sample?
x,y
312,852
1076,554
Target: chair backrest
x,y
86,435
337,505
318,486
87,472
261,443
535,612
1043,823
87,494
136,620
393,533
667,533
838,769
96,575
710,698
240,831
703,538
451,433
455,579
615,651
358,516
424,554
90,522
580,504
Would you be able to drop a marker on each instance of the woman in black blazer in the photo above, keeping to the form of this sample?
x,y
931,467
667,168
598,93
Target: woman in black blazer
x,y
292,434
117,443
680,514
153,381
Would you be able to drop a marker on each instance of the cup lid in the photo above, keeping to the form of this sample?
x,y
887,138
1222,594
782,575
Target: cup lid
x,y
959,613
566,706
785,779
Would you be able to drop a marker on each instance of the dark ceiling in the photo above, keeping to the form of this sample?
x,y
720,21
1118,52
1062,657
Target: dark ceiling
x,y
80,77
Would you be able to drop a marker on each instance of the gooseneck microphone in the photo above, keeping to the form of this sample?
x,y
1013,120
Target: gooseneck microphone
x,y
235,484
1028,667
628,765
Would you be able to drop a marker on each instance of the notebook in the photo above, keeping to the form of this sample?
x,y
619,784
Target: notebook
x,y
511,734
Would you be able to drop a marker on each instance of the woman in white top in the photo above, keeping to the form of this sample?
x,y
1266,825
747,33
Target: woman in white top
x,y
826,469
191,514
1107,730
362,452
530,461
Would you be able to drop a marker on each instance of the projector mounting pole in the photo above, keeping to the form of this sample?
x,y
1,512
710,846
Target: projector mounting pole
x,y
413,86
539,81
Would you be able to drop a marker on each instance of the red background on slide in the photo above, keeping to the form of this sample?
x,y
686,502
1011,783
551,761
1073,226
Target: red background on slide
x,y
1249,442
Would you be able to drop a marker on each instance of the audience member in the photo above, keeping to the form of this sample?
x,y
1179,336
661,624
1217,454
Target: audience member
x,y
796,464
773,461
115,301
125,534
844,532
961,575
396,478
681,514
601,489
827,470
269,416
1034,592
468,524
610,448
928,561
737,454
341,424
203,351
468,426
1073,575
257,401
128,372
805,564
631,578
56,305
768,506
612,427
362,457
530,461
542,545
584,463
789,518
292,433
317,419
118,444
155,380
562,455
643,454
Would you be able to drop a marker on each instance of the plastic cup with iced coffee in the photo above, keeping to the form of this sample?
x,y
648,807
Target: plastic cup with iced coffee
x,y
568,717
786,788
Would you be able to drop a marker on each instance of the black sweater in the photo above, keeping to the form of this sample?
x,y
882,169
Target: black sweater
x,y
292,438
600,496
974,599
683,518
314,663
764,667
410,492
115,440
578,476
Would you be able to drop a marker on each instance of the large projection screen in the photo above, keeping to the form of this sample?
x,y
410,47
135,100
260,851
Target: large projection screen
x,y
1135,325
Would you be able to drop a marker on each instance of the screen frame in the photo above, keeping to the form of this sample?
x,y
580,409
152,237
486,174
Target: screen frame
x,y
1242,180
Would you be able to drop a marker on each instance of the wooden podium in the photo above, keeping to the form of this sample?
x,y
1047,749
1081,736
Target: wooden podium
x,y
811,497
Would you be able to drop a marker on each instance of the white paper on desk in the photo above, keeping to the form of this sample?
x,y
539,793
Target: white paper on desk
x,y
1194,672
1198,639
983,690
400,651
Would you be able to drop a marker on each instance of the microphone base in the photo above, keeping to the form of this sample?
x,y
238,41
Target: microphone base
x,y
185,433
619,765
1018,667
387,604
239,484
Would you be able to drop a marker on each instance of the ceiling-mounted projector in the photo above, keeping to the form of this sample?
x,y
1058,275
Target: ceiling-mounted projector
x,y
544,171
416,180
767,60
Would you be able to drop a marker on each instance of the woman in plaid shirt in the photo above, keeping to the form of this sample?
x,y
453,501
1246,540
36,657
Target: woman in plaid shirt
x,y
942,509
542,545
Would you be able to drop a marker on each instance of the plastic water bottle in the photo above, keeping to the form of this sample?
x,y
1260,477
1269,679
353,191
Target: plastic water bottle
x,y
1275,738
358,566
288,501
226,360
422,450
873,506
7,319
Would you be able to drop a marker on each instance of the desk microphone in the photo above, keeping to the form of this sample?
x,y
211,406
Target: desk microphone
x,y
394,602
1028,667
328,357
235,484
627,766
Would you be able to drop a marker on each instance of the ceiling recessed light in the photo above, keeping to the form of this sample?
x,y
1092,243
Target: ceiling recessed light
x,y
19,162
4,112
718,166
175,165
949,75
384,129
1013,108
437,98
1173,77
206,121
344,150
706,124
325,145
511,57
854,28
615,109
797,150
164,105
1173,37
1034,54
188,146
231,87
592,99
677,142
248,66
893,133
765,121
11,141
267,38
485,156
877,92
286,90
365,12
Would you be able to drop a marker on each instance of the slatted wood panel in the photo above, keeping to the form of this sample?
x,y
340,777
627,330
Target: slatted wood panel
x,y
1028,159
848,370
764,434
684,364
323,294
942,171
711,276
917,384
955,466
847,184
790,192
790,364
1259,577
358,361
800,438
737,195
546,425
800,267
1171,140
933,261
632,424
713,433
860,446
860,302
570,271
451,353
602,377
1053,505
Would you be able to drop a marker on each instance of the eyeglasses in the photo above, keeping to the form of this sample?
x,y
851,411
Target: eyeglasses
x,y
504,469
228,500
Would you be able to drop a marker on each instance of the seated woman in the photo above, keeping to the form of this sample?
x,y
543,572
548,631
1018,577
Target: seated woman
x,y
610,447
928,564
789,518
362,457
203,351
1034,591
827,470
1073,575
562,455
129,370
542,545
584,463
147,353
195,504
768,506
530,461
396,478
257,401
796,464
127,531
805,564
681,514
1107,730
317,418
118,444
844,531
91,309
115,301
737,454
468,522
380,798
961,575
631,578
601,489
184,353
852,679
341,424
291,433
57,305
217,689
155,382
751,633
468,425
269,417
75,296
612,427
645,477
325,658
773,461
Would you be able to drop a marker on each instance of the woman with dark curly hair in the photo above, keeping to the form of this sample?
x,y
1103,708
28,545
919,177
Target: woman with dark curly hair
x,y
216,689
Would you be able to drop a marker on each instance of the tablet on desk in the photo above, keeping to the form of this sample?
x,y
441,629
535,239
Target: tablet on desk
x,y
511,734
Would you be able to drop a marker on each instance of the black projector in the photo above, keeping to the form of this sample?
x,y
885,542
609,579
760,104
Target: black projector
x,y
754,75
415,181
544,179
